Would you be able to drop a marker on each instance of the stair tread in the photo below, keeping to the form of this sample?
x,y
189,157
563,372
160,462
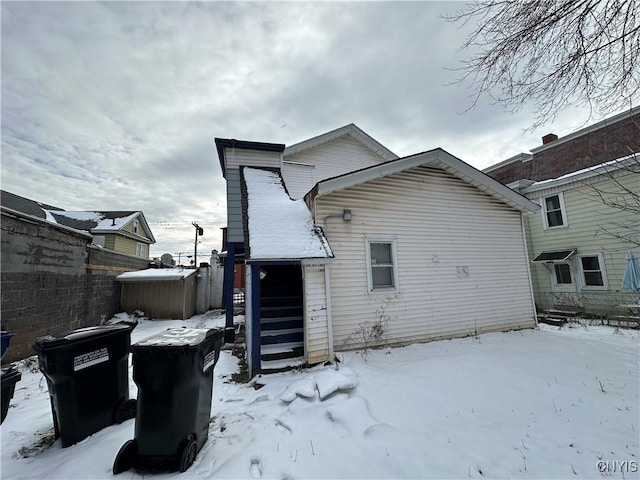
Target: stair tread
x,y
280,347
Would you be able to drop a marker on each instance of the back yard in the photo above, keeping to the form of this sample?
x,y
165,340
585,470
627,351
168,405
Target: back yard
x,y
547,403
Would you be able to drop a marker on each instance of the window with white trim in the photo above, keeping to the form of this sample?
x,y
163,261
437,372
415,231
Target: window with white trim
x,y
135,225
554,212
98,240
563,273
141,250
381,264
593,274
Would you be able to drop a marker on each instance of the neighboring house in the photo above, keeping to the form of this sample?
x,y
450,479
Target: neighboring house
x,y
578,243
588,185
121,231
397,250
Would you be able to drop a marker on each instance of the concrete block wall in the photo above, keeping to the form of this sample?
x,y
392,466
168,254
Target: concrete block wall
x,y
53,281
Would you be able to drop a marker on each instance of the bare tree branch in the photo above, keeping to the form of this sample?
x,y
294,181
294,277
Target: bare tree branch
x,y
554,53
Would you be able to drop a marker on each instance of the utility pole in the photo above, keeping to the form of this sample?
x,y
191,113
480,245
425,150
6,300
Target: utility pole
x,y
199,232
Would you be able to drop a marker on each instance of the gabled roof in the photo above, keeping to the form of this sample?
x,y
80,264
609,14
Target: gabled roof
x,y
436,158
278,228
222,143
24,205
349,129
100,222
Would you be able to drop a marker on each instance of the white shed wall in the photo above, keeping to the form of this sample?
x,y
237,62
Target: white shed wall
x,y
439,223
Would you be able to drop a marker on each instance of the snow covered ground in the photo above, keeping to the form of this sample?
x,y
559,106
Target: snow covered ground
x,y
547,403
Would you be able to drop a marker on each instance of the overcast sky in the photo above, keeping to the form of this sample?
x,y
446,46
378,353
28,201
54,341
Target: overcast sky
x,y
115,106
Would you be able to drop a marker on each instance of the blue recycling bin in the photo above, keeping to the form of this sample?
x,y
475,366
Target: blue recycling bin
x,y
174,374
5,337
87,372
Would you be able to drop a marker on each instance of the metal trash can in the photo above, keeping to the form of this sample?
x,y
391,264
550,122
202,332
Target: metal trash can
x,y
174,374
88,379
10,376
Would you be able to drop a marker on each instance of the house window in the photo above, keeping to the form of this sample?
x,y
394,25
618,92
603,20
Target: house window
x,y
381,261
554,212
563,273
135,226
141,250
98,240
593,271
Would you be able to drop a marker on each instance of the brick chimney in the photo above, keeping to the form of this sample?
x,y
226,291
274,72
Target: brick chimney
x,y
548,138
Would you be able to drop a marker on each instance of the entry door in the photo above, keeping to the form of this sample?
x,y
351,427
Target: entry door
x,y
564,285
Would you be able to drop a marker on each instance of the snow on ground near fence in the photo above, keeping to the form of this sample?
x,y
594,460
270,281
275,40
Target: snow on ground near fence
x,y
548,403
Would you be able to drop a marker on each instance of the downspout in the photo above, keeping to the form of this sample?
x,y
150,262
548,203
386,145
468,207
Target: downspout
x,y
327,290
526,252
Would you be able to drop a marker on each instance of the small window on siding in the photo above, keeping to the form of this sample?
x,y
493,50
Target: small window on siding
x,y
554,212
98,240
135,225
563,273
593,270
141,250
382,268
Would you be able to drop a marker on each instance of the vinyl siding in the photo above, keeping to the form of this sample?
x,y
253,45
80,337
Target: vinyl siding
x,y
587,216
439,223
316,331
337,157
124,245
298,178
234,158
234,207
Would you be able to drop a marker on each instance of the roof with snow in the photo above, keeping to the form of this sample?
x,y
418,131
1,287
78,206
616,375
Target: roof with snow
x,y
277,226
627,163
99,221
25,205
156,275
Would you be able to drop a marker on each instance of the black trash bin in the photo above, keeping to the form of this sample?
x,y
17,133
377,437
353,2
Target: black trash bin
x,y
10,376
174,374
88,379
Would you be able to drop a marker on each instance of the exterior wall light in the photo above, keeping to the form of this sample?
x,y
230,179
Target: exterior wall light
x,y
346,215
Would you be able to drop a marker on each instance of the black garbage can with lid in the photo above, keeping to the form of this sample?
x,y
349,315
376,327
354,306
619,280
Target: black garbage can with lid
x,y
174,374
9,376
88,379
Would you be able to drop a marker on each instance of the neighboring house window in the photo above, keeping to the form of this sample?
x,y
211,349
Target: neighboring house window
x,y
98,240
554,212
135,226
563,273
593,273
141,250
382,264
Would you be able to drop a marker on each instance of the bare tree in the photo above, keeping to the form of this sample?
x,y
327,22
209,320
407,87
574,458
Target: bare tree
x,y
555,53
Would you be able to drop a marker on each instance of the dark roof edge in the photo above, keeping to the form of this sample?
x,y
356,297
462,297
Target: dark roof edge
x,y
222,143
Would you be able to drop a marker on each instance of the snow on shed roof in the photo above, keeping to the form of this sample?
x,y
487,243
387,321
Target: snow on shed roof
x,y
156,275
85,220
279,227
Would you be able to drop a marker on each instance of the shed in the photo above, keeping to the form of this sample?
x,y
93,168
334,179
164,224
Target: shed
x,y
160,292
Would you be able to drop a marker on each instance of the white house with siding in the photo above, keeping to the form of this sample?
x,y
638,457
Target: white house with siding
x,y
422,247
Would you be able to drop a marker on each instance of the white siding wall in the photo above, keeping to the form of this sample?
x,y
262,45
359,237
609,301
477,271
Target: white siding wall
x,y
316,339
337,157
439,223
235,157
298,178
